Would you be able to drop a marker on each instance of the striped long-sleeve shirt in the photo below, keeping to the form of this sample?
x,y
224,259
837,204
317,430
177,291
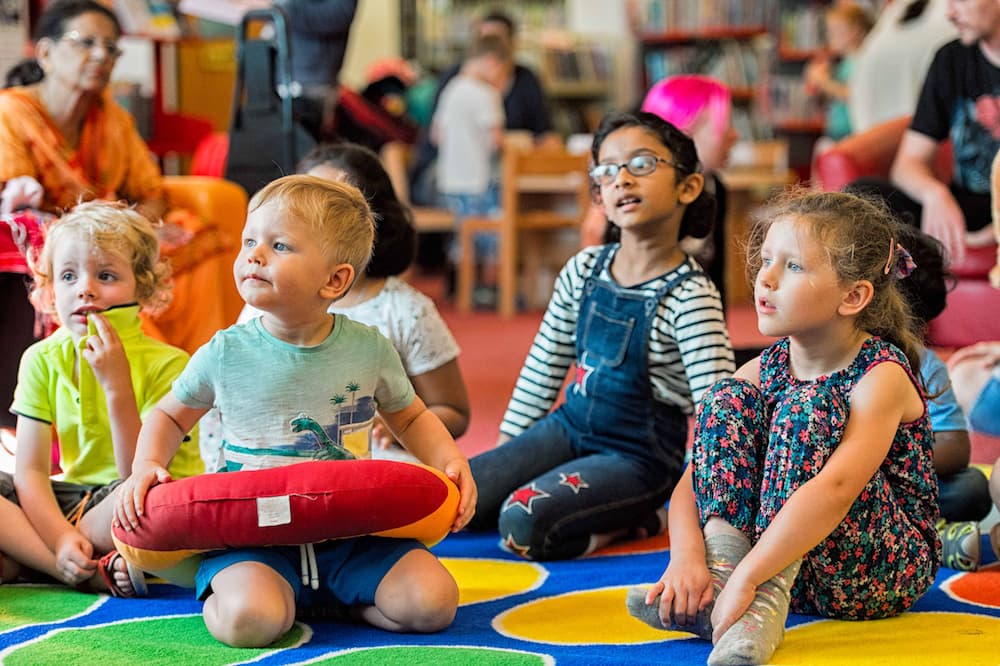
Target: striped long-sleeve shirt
x,y
689,346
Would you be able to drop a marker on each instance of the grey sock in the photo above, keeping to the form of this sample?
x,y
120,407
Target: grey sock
x,y
755,636
722,553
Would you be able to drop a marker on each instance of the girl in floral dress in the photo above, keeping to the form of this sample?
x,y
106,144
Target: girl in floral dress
x,y
811,481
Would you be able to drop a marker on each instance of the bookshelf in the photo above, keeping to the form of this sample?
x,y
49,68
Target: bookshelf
x,y
577,79
729,40
577,74
796,113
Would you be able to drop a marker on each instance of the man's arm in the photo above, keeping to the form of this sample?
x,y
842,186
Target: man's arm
x,y
912,172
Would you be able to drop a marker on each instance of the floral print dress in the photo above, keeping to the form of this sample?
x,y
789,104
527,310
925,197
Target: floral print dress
x,y
754,447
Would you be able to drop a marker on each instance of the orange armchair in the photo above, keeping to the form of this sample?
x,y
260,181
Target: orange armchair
x,y
206,295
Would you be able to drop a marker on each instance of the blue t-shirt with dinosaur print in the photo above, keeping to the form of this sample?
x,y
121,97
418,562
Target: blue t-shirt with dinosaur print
x,y
281,404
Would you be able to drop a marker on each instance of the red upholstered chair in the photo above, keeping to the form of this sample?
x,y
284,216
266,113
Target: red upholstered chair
x,y
209,158
972,306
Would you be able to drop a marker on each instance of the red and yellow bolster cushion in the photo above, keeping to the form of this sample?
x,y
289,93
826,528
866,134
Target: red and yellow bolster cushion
x,y
293,505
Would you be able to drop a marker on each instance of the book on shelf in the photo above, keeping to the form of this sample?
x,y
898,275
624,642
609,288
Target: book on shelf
x,y
148,18
790,103
580,64
662,16
802,29
228,12
733,62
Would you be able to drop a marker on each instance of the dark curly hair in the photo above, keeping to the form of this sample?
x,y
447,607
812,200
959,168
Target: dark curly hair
x,y
926,288
699,216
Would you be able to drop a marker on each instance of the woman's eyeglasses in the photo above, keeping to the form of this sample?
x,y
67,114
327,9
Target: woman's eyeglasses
x,y
640,165
86,44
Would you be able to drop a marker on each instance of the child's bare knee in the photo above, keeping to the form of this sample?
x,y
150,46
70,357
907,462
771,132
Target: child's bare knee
x,y
240,622
432,606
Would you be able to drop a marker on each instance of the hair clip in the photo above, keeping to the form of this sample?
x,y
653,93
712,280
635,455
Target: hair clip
x,y
888,260
905,265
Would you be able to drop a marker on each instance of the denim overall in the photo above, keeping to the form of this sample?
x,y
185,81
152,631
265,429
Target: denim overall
x,y
609,456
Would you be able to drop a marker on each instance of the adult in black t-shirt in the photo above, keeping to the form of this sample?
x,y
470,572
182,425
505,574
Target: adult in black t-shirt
x,y
960,101
524,104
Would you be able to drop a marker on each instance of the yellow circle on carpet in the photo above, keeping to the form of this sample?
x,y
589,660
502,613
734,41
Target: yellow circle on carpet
x,y
580,618
938,638
486,580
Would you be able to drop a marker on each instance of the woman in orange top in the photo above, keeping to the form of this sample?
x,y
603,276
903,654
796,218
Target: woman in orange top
x,y
63,139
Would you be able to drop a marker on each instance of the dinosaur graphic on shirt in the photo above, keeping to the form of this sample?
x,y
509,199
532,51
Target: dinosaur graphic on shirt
x,y
326,448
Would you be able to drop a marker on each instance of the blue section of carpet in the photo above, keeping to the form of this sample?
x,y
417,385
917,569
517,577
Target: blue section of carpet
x,y
473,625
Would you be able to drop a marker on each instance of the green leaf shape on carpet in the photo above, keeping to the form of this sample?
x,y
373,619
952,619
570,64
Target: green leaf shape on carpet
x,y
23,605
150,642
411,655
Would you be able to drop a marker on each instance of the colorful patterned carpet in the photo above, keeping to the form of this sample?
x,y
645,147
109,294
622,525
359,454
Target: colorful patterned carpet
x,y
512,612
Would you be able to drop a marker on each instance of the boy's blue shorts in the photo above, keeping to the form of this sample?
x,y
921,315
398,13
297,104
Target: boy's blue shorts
x,y
350,570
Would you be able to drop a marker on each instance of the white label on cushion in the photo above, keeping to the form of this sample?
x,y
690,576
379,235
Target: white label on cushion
x,y
273,511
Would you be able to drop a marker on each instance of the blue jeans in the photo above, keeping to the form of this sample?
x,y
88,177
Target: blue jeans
x,y
482,204
547,496
964,495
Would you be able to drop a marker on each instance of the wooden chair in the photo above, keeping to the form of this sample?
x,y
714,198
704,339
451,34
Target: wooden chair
x,y
526,173
395,157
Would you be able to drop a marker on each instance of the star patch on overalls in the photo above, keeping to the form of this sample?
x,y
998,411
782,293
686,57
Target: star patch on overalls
x,y
583,372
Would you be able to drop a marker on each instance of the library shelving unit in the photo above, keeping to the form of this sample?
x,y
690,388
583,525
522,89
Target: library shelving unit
x,y
801,37
576,74
728,40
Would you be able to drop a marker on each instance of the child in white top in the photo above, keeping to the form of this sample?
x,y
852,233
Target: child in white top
x,y
468,130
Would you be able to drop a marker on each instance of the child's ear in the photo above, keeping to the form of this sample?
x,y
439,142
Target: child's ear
x,y
691,187
856,298
340,280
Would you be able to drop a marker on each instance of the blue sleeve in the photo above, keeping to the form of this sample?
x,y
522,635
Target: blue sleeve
x,y
942,407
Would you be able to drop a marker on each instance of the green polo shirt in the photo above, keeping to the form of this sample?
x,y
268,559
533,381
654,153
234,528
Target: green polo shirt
x,y
48,391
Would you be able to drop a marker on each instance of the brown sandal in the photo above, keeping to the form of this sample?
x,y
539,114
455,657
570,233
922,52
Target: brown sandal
x,y
106,568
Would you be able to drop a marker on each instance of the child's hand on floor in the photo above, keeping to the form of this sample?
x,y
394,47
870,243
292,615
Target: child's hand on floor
x,y
74,558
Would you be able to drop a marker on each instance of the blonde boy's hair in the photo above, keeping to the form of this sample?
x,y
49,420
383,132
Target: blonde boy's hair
x,y
336,211
107,226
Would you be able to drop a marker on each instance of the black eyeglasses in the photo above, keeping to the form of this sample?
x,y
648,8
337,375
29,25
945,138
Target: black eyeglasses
x,y
640,165
87,44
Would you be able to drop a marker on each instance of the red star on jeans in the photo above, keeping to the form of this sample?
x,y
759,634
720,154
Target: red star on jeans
x,y
514,547
524,497
573,481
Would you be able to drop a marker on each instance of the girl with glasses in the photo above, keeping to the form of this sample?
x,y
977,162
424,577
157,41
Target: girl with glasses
x,y
642,327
